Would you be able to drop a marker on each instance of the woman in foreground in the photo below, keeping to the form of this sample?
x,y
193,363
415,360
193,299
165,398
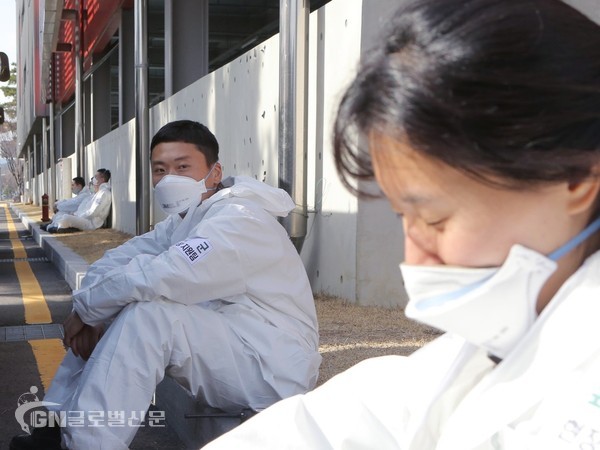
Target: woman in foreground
x,y
480,121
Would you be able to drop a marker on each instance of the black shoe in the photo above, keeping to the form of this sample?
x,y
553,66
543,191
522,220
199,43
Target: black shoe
x,y
52,229
44,226
67,230
44,438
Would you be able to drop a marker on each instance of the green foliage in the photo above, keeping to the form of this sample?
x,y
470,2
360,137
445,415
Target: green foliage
x,y
10,92
8,131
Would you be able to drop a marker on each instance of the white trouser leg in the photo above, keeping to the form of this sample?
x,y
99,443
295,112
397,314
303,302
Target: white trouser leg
x,y
194,343
68,221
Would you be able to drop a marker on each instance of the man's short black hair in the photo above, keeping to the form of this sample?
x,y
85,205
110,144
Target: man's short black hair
x,y
189,132
105,173
79,181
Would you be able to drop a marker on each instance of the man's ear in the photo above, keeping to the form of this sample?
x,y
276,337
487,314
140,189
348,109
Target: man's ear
x,y
217,173
583,194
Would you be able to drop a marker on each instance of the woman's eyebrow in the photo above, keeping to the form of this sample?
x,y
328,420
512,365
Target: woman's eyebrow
x,y
416,199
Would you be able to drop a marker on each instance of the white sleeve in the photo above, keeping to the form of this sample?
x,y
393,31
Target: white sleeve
x,y
361,408
152,243
213,262
68,205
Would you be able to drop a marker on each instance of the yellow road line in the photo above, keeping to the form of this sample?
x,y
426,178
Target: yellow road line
x,y
36,308
48,353
48,356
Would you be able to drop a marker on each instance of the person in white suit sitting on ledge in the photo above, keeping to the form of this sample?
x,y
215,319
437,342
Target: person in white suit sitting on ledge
x,y
92,212
70,205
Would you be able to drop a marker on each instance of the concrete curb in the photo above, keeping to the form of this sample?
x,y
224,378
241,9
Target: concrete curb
x,y
70,265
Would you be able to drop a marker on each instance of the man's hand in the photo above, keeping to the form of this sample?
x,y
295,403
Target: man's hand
x,y
72,325
84,342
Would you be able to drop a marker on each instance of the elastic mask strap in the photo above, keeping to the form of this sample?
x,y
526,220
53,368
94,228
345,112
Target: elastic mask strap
x,y
442,299
208,175
566,248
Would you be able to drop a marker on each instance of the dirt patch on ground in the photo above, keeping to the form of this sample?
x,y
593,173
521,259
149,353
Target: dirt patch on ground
x,y
349,333
91,245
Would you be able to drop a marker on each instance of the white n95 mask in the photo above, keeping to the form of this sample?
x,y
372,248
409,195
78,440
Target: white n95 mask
x,y
491,307
176,194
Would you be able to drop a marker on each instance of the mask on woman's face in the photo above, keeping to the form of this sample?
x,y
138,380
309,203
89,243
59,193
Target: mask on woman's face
x,y
176,194
492,308
76,190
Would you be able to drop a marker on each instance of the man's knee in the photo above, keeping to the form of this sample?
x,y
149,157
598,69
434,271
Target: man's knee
x,y
151,314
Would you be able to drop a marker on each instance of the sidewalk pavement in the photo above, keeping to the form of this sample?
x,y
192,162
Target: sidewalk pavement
x,y
178,403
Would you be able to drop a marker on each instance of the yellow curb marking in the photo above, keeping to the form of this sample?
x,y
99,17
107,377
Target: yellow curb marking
x,y
48,353
36,308
48,356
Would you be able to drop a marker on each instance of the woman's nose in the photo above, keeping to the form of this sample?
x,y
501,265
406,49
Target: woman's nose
x,y
420,247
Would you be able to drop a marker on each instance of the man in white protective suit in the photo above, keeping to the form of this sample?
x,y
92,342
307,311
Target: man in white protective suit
x,y
91,212
480,121
216,295
70,205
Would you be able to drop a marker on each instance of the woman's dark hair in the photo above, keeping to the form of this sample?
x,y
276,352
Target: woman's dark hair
x,y
79,181
506,89
189,132
105,174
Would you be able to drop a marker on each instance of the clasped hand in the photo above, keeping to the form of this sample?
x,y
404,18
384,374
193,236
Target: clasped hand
x,y
79,337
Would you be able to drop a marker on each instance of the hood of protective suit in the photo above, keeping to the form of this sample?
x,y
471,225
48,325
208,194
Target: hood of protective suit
x,y
273,200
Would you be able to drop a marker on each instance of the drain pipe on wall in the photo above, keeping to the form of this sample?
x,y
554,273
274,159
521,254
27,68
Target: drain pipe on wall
x,y
79,118
142,158
293,101
52,148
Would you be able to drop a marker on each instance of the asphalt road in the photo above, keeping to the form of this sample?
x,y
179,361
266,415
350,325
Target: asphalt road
x,y
34,301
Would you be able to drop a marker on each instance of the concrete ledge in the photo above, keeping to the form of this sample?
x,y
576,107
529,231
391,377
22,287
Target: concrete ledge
x,y
70,265
195,432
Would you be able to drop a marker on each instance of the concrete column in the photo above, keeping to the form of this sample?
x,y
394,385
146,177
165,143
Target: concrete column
x,y
189,44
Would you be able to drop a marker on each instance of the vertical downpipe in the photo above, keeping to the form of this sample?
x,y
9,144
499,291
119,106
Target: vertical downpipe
x,y
142,117
45,155
34,177
293,100
79,150
52,152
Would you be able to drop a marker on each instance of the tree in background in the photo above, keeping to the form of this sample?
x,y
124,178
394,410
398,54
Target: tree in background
x,y
8,137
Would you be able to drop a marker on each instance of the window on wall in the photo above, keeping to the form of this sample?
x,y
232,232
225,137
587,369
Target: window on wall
x,y
235,26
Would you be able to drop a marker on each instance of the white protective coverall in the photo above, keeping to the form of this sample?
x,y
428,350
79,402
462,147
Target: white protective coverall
x,y
545,395
220,298
91,213
70,205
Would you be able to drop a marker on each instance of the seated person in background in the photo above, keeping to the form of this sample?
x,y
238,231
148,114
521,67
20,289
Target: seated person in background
x,y
92,212
70,205
216,296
